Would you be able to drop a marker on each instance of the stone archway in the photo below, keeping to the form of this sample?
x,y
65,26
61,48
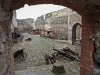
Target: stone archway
x,y
73,20
87,27
74,32
81,7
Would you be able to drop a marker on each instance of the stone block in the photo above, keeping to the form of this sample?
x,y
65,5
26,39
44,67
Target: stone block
x,y
58,68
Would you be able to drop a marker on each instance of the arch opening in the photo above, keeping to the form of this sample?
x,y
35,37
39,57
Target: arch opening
x,y
55,26
76,33
76,10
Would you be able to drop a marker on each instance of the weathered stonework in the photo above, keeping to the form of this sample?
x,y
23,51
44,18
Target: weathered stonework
x,y
54,21
25,25
6,59
40,22
61,22
14,21
57,20
96,31
74,19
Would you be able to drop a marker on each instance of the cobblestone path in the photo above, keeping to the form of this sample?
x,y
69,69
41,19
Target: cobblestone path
x,y
36,49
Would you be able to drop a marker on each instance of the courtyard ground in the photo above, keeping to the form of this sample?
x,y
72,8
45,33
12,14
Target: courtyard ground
x,y
36,50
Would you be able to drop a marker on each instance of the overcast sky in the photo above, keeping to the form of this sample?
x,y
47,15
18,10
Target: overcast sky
x,y
36,10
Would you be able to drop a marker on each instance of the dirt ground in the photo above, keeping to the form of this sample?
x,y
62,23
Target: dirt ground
x,y
36,50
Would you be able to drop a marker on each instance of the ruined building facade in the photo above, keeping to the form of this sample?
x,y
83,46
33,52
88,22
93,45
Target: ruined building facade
x,y
25,25
62,23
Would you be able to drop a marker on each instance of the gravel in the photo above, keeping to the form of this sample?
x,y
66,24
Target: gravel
x,y
36,49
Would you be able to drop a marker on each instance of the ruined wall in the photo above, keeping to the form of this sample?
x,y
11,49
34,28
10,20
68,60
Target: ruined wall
x,y
6,59
59,21
59,25
40,22
96,30
25,25
73,19
14,21
55,21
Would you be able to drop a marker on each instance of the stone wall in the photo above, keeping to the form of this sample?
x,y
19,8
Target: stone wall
x,y
14,21
40,22
59,25
59,21
25,25
6,59
60,30
55,21
74,19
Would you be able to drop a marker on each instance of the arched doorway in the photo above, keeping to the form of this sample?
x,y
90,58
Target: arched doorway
x,y
73,20
76,32
88,50
87,24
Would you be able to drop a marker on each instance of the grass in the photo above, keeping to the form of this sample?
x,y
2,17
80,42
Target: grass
x,y
14,42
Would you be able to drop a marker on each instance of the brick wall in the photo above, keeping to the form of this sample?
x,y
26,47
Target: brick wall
x,y
87,61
